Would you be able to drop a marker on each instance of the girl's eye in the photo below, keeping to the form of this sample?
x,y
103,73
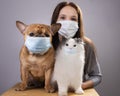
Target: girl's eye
x,y
66,44
73,19
31,34
62,18
74,45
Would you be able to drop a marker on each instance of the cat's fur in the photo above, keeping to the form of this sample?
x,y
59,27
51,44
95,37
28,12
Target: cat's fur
x,y
69,65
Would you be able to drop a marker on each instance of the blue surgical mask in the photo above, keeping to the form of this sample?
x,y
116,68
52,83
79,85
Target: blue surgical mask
x,y
70,51
38,44
68,28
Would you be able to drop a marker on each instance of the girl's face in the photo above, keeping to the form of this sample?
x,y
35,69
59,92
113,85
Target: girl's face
x,y
68,13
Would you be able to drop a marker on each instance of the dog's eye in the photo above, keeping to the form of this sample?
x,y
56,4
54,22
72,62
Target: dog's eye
x,y
66,44
74,45
31,34
46,35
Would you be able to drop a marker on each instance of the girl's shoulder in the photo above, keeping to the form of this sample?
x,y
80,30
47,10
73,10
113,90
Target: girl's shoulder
x,y
89,45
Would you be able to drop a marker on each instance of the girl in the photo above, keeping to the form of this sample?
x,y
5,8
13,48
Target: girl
x,y
67,12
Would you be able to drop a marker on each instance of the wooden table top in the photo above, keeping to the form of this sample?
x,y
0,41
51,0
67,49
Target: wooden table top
x,y
41,92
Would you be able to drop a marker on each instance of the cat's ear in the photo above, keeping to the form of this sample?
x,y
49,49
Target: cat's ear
x,y
79,40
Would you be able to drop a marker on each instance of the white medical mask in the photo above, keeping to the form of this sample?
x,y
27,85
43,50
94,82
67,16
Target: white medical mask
x,y
68,28
38,44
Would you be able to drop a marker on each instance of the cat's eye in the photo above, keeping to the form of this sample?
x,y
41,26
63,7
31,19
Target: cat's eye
x,y
66,44
31,34
74,45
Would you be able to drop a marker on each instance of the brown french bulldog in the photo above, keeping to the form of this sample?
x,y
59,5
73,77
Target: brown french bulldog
x,y
38,65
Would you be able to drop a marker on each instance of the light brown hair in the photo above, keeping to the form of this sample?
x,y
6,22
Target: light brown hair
x,y
79,33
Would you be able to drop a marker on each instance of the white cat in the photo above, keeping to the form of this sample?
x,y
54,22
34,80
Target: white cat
x,y
69,66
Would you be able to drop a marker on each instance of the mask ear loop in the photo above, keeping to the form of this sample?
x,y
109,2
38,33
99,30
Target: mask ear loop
x,y
77,35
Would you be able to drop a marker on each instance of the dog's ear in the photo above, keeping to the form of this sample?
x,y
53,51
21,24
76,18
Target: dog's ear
x,y
55,27
21,26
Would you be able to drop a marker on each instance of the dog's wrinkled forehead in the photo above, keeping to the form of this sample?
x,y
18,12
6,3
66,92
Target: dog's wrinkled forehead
x,y
38,28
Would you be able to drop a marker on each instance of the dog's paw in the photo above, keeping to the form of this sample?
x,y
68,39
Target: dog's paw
x,y
49,89
20,88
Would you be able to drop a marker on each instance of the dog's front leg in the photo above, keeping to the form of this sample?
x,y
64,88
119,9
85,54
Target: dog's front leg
x,y
48,86
24,78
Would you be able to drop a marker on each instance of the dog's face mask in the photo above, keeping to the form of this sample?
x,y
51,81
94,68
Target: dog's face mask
x,y
38,44
38,37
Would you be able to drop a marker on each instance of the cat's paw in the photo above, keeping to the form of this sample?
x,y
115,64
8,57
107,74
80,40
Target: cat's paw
x,y
79,91
63,94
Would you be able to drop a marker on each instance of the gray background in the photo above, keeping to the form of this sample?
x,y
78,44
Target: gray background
x,y
101,22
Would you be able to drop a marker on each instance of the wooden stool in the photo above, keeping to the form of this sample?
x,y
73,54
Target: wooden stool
x,y
41,92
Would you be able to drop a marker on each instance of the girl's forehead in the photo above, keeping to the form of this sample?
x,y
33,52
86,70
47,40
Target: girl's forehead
x,y
68,11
